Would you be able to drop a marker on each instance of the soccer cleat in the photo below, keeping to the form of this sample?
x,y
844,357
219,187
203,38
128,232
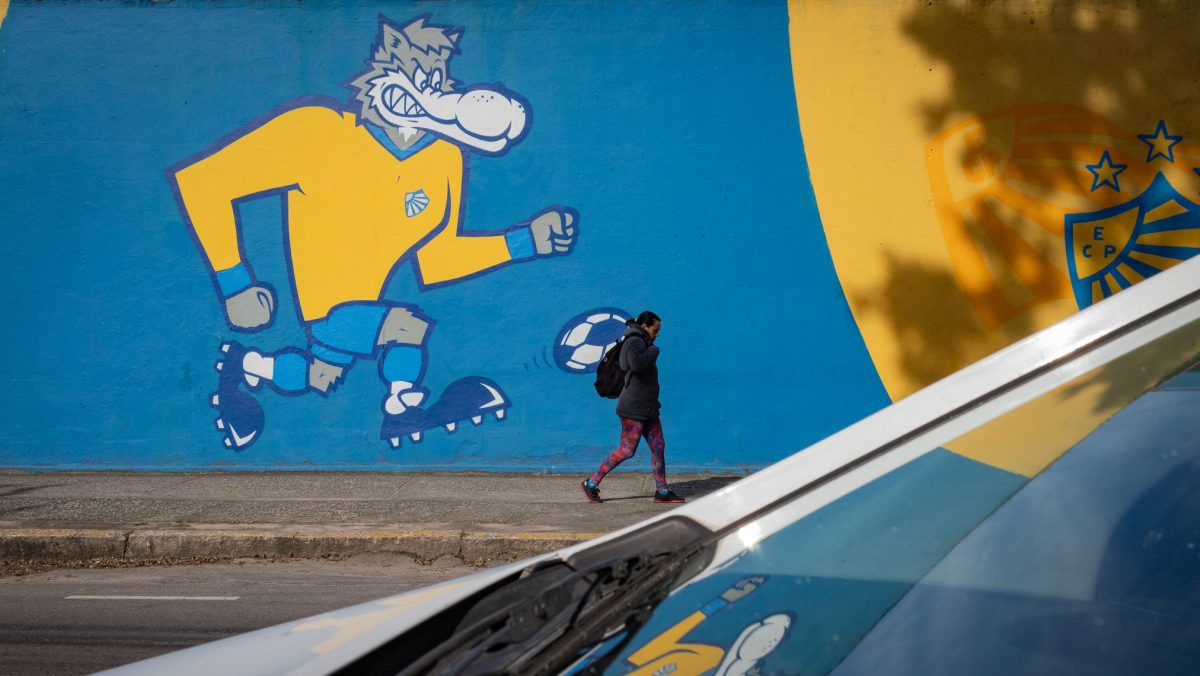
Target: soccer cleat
x,y
409,423
667,496
592,493
233,359
464,399
240,417
468,399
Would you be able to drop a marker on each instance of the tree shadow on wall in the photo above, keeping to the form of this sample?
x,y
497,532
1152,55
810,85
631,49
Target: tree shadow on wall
x,y
1130,65
1129,62
936,330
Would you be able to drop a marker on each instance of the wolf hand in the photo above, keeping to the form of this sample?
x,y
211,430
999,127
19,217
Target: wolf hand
x,y
251,308
743,587
554,231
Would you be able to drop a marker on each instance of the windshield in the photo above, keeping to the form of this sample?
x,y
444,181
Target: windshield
x,y
1061,536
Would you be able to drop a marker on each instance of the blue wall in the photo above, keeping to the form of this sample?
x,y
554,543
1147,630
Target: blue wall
x,y
671,128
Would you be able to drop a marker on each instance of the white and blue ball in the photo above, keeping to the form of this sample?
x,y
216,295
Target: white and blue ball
x,y
585,339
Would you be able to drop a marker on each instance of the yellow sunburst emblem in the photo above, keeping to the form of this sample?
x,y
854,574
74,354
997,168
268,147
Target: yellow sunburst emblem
x,y
1048,202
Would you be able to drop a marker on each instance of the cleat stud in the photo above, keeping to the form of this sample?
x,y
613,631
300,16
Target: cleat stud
x,y
395,442
225,347
220,424
228,443
450,427
415,436
500,414
216,400
476,419
219,365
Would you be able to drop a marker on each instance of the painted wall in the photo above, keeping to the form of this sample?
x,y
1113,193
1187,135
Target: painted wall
x,y
148,151
384,222
986,169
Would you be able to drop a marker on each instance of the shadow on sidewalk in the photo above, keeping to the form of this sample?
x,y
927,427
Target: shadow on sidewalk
x,y
688,489
700,487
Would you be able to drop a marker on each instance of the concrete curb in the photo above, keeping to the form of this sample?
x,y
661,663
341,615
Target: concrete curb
x,y
68,544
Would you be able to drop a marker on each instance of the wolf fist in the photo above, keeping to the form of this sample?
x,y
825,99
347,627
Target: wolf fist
x,y
555,231
743,587
251,308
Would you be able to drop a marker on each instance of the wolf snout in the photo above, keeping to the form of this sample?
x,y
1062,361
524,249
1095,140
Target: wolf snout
x,y
491,114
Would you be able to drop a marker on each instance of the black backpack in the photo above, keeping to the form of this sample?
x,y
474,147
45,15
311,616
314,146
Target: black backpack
x,y
610,377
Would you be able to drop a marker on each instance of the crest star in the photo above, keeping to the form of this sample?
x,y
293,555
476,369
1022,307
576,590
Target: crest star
x,y
1105,172
1161,143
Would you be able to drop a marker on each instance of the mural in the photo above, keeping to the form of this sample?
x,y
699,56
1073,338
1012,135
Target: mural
x,y
368,187
330,205
668,652
587,337
991,175
1049,202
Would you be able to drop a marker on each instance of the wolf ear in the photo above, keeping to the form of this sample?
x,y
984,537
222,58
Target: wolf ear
x,y
392,40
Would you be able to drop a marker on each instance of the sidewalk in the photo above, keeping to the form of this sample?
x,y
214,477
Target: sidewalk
x,y
475,517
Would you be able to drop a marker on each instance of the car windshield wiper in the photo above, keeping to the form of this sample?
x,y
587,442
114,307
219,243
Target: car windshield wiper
x,y
546,619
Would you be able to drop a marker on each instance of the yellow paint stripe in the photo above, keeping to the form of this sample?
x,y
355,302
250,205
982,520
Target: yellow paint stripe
x,y
1171,238
1165,210
1111,280
1129,273
1097,292
59,532
3,11
1158,262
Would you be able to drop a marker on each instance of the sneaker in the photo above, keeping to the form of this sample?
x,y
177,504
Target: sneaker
x,y
666,496
592,493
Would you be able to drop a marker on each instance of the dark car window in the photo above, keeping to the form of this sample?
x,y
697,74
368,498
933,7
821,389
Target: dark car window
x,y
1094,567
1060,537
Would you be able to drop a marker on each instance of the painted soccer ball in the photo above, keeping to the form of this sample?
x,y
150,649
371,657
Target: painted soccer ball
x,y
583,341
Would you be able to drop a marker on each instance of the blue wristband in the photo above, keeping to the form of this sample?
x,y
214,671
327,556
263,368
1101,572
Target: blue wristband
x,y
713,606
520,243
233,279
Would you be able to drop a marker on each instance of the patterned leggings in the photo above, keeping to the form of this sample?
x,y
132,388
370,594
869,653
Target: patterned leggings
x,y
631,433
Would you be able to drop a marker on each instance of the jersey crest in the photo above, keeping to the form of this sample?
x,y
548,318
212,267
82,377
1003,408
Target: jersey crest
x,y
415,203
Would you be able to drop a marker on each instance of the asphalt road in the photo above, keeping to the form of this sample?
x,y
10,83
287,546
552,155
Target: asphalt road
x,y
48,626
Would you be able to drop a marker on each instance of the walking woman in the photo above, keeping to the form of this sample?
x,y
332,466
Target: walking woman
x,y
638,409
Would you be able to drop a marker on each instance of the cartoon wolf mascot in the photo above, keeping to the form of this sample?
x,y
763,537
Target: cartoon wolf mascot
x,y
363,191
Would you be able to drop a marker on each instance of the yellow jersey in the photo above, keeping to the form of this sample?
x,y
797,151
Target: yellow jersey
x,y
353,208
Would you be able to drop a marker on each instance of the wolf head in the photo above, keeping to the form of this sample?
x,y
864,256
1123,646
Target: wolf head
x,y
407,90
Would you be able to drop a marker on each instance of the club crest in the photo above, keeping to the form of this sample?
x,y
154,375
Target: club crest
x,y
1047,203
1114,248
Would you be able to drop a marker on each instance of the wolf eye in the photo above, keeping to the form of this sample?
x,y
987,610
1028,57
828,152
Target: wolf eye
x,y
420,78
435,81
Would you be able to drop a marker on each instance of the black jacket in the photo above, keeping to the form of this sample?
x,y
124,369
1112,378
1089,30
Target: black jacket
x,y
639,360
